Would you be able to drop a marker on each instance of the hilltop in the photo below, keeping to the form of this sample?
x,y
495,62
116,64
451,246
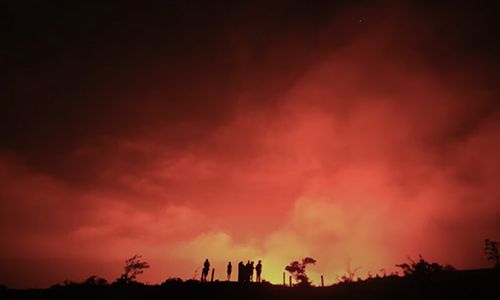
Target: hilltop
x,y
464,284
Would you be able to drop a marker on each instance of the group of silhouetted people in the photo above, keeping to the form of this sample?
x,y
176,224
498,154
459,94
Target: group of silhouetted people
x,y
245,271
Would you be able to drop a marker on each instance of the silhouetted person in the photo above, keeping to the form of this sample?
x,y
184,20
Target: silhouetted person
x,y
229,270
206,268
250,271
258,270
241,271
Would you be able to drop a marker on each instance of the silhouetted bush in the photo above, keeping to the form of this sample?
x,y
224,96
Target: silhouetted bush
x,y
172,281
298,270
91,281
192,282
491,251
422,267
95,281
68,282
65,283
348,276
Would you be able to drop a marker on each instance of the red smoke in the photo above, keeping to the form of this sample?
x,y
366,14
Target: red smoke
x,y
356,152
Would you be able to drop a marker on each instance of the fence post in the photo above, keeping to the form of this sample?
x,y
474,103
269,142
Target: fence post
x,y
322,282
290,280
213,271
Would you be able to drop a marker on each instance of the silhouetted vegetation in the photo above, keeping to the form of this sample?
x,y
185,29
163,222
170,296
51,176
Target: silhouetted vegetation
x,y
348,276
298,270
133,266
65,283
173,281
471,284
95,281
421,267
491,251
89,282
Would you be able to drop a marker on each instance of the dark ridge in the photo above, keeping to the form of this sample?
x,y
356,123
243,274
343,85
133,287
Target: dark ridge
x,y
464,284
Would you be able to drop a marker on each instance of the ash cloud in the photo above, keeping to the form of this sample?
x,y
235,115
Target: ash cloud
x,y
268,130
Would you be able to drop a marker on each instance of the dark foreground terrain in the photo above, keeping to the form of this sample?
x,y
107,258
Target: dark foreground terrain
x,y
474,284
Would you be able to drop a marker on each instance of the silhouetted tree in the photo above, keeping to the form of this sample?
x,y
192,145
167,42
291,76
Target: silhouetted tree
x,y
133,266
422,267
298,270
491,251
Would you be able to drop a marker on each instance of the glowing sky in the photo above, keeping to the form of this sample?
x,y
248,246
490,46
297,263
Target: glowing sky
x,y
187,131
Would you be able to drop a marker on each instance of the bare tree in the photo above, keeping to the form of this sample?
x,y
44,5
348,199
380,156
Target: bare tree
x,y
133,266
298,270
491,251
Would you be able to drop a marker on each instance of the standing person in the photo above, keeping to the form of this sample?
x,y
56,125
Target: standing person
x,y
250,271
229,270
247,272
258,270
206,268
241,270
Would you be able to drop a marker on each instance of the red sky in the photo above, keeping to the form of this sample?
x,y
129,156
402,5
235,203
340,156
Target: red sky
x,y
354,134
